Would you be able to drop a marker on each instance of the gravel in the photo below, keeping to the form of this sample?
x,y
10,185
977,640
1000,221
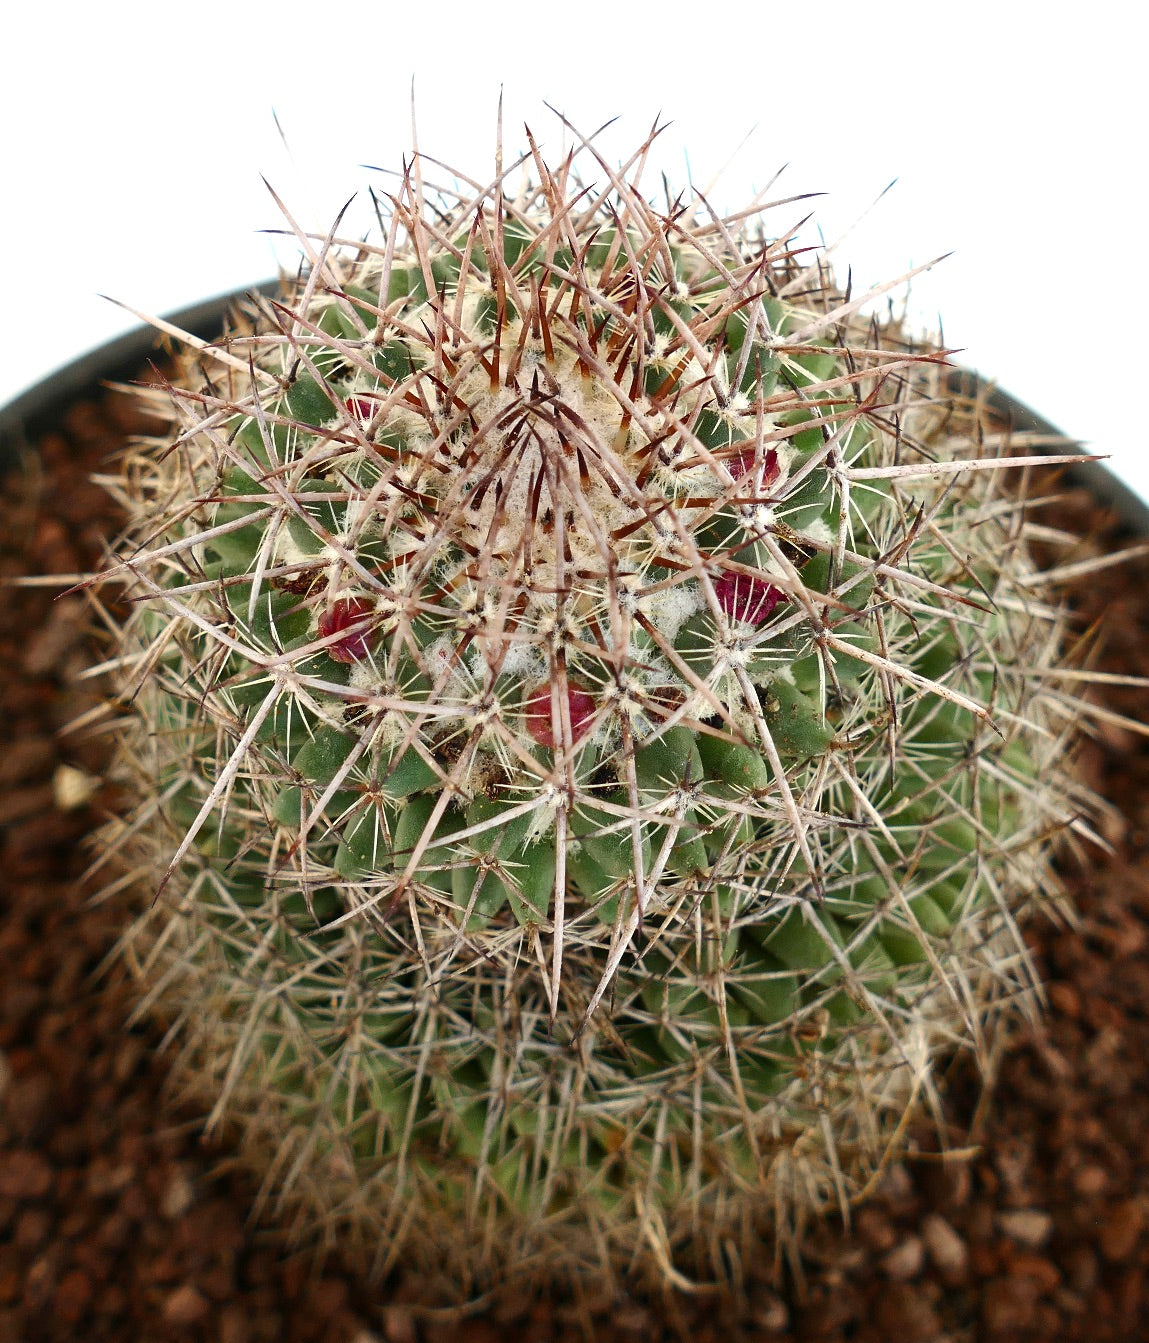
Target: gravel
x,y
119,1220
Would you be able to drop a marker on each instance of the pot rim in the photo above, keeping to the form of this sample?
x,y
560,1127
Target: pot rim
x,y
1091,474
117,360
120,358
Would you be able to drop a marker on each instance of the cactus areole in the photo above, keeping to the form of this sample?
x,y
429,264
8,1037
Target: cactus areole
x,y
590,732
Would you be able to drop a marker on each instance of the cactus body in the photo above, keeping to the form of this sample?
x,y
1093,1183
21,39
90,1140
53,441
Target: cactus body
x,y
591,749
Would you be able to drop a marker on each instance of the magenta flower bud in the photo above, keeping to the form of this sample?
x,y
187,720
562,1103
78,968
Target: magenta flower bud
x,y
746,598
360,407
353,615
540,724
744,462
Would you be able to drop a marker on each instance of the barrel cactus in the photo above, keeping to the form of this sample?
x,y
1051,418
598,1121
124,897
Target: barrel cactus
x,y
589,728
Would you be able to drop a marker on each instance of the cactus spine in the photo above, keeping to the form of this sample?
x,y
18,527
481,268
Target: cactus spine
x,y
590,732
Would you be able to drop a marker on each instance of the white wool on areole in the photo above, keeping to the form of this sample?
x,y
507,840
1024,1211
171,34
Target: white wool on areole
x,y
669,608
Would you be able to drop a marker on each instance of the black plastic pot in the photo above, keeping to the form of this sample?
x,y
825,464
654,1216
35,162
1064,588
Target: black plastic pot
x,y
33,411
1109,491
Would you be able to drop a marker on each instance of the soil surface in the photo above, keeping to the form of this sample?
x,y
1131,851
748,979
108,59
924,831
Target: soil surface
x,y
119,1222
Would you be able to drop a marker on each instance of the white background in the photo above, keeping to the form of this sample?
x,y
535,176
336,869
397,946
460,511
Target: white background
x,y
134,137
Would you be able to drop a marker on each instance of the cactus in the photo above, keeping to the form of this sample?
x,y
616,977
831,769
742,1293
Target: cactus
x,y
589,728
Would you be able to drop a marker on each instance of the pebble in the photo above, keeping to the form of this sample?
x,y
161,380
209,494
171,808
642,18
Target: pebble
x,y
33,1227
905,1313
771,1313
73,788
28,1103
1030,1227
399,1325
185,1306
106,1180
1081,1268
632,1317
234,1326
945,1247
897,1187
1037,1268
1008,1306
1064,998
178,1195
1122,1231
38,1283
329,1296
904,1262
22,802
27,758
875,1230
24,1174
73,1296
1090,1180
65,628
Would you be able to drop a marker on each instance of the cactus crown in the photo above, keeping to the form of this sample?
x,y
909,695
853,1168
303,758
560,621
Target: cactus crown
x,y
589,728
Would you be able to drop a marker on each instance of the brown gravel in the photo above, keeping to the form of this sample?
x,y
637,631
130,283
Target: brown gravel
x,y
119,1222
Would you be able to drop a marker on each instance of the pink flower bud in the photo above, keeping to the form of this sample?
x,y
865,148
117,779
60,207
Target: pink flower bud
x,y
542,727
744,462
746,598
361,408
352,614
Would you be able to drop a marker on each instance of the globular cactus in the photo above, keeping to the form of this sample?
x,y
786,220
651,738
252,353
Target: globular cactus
x,y
591,732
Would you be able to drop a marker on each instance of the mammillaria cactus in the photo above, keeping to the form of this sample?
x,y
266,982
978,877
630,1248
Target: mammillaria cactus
x,y
591,732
